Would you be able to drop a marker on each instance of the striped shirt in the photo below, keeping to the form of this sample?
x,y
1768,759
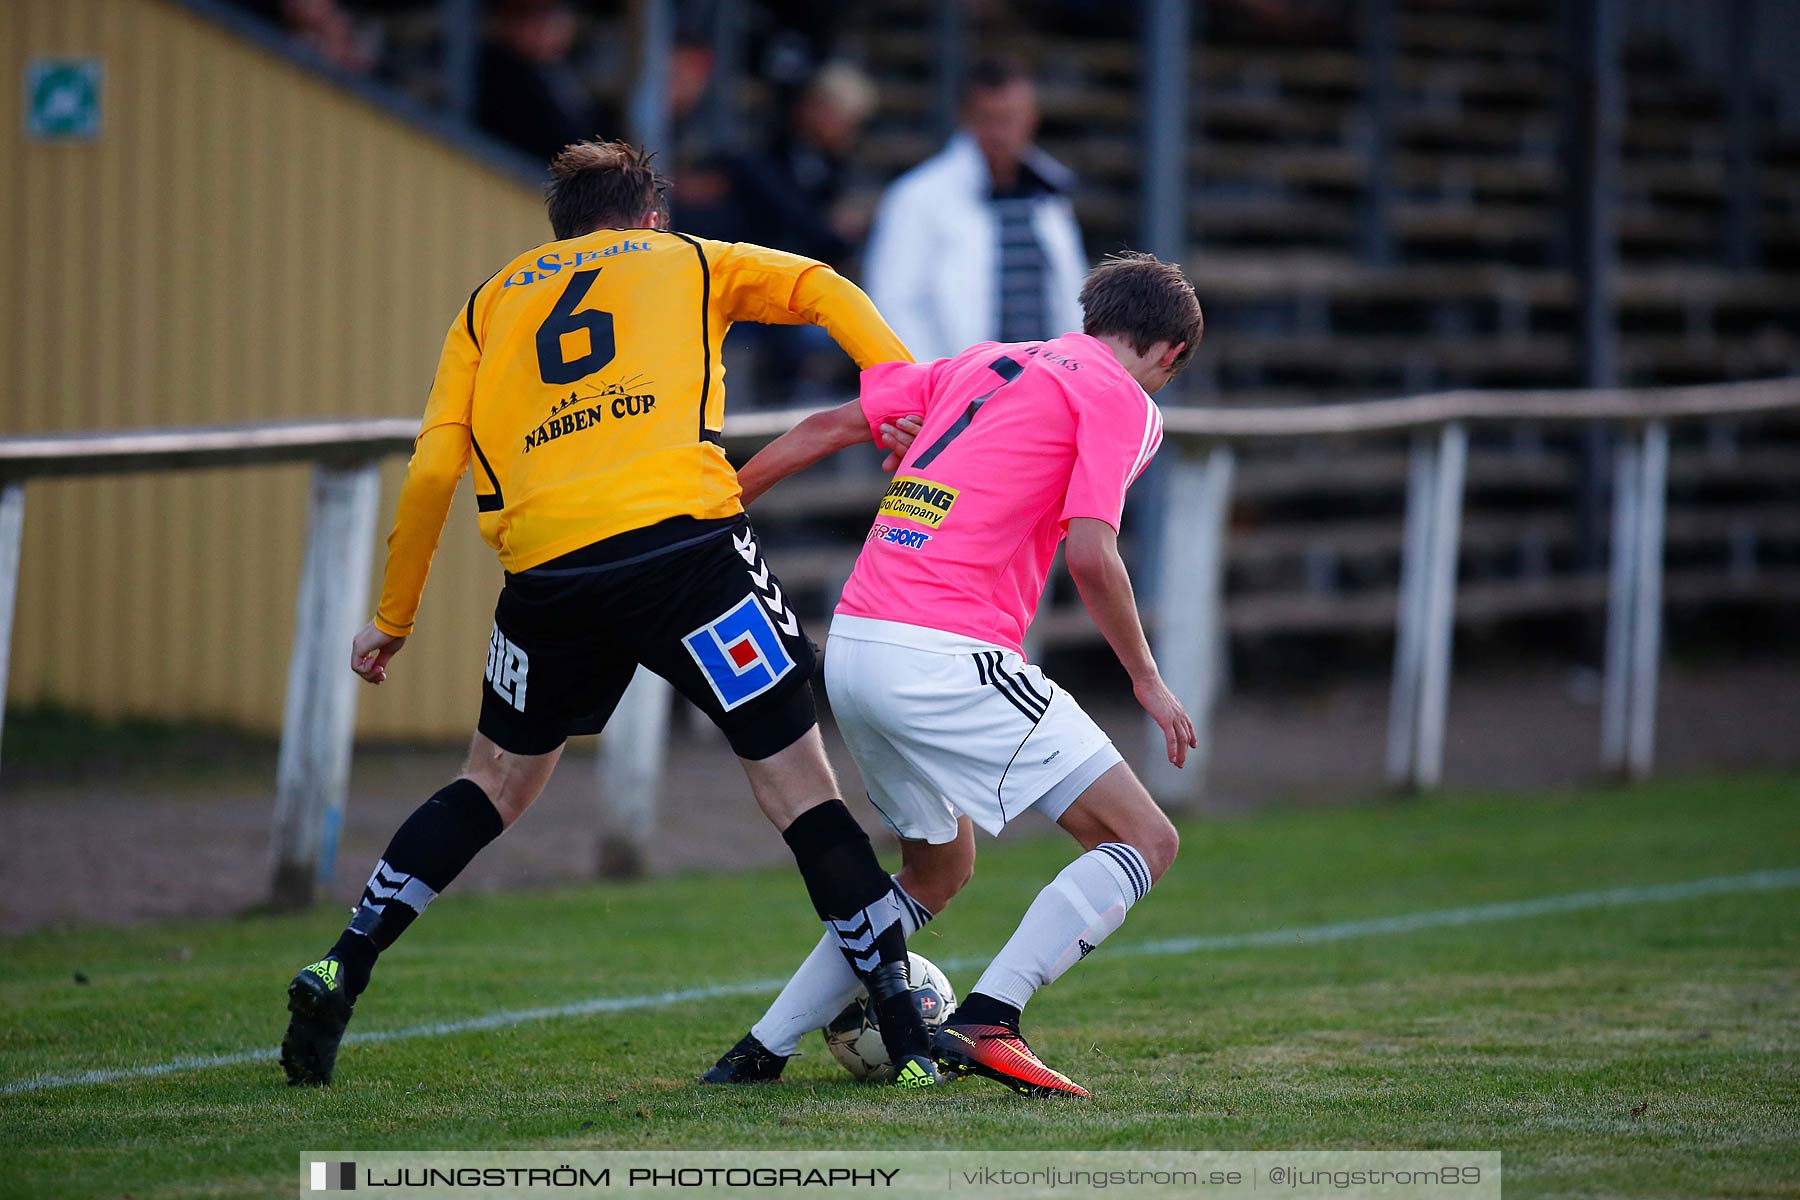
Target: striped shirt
x,y
1022,271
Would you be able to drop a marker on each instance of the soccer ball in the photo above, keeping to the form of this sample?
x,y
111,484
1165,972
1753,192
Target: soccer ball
x,y
854,1038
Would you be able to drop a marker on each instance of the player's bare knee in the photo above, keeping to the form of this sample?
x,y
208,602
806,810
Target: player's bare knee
x,y
933,875
1139,822
938,885
1158,844
1149,832
511,782
936,899
792,780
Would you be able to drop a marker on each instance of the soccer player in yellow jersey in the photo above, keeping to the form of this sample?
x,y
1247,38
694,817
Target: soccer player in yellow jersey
x,y
584,384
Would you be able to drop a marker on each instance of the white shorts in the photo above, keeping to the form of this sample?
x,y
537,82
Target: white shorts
x,y
940,725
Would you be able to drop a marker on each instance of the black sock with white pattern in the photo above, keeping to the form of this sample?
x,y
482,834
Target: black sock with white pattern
x,y
862,911
428,851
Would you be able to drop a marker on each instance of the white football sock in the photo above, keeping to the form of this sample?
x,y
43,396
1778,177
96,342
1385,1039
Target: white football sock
x,y
1071,916
822,986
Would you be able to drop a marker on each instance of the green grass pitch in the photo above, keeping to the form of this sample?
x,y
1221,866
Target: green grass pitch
x,y
1638,1048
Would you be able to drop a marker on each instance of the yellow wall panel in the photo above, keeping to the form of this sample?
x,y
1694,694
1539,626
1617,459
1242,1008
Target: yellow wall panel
x,y
243,242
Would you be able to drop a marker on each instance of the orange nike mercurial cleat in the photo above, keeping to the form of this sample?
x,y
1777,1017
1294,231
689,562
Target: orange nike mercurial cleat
x,y
998,1052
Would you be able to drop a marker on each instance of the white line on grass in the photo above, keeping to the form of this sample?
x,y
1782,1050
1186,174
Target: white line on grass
x,y
1756,881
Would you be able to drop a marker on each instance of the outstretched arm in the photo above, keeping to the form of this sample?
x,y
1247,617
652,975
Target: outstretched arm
x,y
828,300
439,459
1105,586
440,456
755,283
818,436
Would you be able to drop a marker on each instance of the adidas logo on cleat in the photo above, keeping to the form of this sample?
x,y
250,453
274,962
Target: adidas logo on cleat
x,y
318,1010
327,970
1086,949
914,1076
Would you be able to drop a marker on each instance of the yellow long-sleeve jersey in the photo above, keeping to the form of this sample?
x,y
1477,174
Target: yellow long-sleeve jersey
x,y
585,380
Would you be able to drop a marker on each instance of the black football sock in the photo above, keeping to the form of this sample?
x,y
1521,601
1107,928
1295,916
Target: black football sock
x,y
356,959
977,1009
430,849
820,989
861,910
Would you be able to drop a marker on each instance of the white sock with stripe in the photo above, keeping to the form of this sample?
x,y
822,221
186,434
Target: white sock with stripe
x,y
1072,915
823,985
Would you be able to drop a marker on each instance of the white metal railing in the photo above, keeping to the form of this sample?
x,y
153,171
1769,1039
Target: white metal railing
x,y
1186,608
1188,595
319,717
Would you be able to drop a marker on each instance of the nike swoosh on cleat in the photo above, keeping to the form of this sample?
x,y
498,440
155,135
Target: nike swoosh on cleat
x,y
1032,1060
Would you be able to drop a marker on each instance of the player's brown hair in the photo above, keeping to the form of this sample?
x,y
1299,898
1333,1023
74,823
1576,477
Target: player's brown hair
x,y
992,72
602,184
1143,299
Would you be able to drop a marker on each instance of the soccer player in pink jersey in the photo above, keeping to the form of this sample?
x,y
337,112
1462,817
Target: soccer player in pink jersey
x,y
1023,445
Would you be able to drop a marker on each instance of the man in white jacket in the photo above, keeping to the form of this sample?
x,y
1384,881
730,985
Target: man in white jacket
x,y
979,242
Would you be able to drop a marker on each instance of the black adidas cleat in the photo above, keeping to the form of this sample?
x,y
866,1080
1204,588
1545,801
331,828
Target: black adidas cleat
x,y
917,1073
747,1062
319,1012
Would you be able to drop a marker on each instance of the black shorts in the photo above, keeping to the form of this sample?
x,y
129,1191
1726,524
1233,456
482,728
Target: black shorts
x,y
691,600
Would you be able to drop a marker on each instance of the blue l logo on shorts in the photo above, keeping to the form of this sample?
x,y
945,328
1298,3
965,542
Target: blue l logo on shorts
x,y
740,654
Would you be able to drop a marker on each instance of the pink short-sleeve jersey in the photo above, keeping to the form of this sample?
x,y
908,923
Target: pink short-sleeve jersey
x,y
1018,440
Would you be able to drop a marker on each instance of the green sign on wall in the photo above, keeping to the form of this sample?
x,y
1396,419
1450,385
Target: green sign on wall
x,y
62,99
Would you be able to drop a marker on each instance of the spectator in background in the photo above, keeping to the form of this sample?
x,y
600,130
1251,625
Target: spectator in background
x,y
692,62
979,242
790,40
528,92
791,196
327,28
702,193
788,197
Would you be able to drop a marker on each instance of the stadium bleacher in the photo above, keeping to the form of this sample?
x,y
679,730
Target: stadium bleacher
x,y
1475,293
1475,296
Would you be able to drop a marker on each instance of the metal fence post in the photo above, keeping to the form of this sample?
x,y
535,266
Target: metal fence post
x,y
629,771
1634,604
1409,623
1621,586
1446,545
1190,620
318,724
1428,611
1646,623
12,536
1594,113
